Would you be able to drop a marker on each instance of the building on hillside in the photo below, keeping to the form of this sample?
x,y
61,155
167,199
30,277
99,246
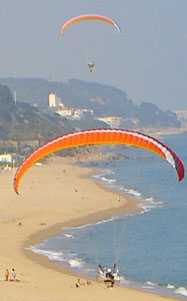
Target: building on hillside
x,y
51,100
6,158
181,115
61,105
80,113
65,112
112,121
74,113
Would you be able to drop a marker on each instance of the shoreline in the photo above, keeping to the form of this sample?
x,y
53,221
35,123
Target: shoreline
x,y
97,216
36,238
43,215
163,131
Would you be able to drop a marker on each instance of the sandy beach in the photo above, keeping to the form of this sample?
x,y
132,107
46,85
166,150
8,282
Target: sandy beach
x,y
53,195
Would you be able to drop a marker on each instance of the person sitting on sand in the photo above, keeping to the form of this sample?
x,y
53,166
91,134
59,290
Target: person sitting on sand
x,y
88,281
6,274
79,282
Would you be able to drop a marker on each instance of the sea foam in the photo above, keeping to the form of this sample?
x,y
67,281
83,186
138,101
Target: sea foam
x,y
181,290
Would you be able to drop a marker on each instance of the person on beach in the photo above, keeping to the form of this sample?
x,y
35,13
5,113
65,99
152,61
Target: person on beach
x,y
6,274
77,284
13,272
109,278
88,281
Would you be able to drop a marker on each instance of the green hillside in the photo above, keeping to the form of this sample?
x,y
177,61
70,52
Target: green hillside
x,y
102,99
21,121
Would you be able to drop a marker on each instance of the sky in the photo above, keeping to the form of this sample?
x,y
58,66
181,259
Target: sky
x,y
147,60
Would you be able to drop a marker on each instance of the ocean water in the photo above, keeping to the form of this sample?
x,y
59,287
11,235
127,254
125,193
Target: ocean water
x,y
149,245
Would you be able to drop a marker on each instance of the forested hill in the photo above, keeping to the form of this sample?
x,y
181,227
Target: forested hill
x,y
21,121
102,99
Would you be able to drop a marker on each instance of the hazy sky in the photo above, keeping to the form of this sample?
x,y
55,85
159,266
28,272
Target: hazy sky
x,y
148,60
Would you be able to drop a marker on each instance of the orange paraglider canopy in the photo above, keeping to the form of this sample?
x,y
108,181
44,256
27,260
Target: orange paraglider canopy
x,y
100,136
89,17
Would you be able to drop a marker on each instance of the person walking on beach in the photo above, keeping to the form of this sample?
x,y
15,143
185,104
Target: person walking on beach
x,y
6,274
13,272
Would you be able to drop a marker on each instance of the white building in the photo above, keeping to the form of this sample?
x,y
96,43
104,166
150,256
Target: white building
x,y
61,105
79,113
74,113
52,100
181,115
65,112
112,121
6,158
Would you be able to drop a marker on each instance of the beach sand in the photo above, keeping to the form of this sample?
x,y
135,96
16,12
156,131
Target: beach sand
x,y
53,195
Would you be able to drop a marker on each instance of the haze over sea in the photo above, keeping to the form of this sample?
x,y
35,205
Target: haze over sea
x,y
149,245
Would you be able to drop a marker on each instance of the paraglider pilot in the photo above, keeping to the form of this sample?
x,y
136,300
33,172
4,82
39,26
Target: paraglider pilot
x,y
91,66
109,278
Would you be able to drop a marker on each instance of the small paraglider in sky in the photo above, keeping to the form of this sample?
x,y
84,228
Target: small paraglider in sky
x,y
85,18
89,17
91,66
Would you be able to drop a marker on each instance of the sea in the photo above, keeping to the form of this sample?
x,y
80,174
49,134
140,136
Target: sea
x,y
149,245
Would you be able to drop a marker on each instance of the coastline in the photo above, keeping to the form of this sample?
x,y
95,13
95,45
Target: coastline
x,y
36,238
131,204
163,131
43,217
